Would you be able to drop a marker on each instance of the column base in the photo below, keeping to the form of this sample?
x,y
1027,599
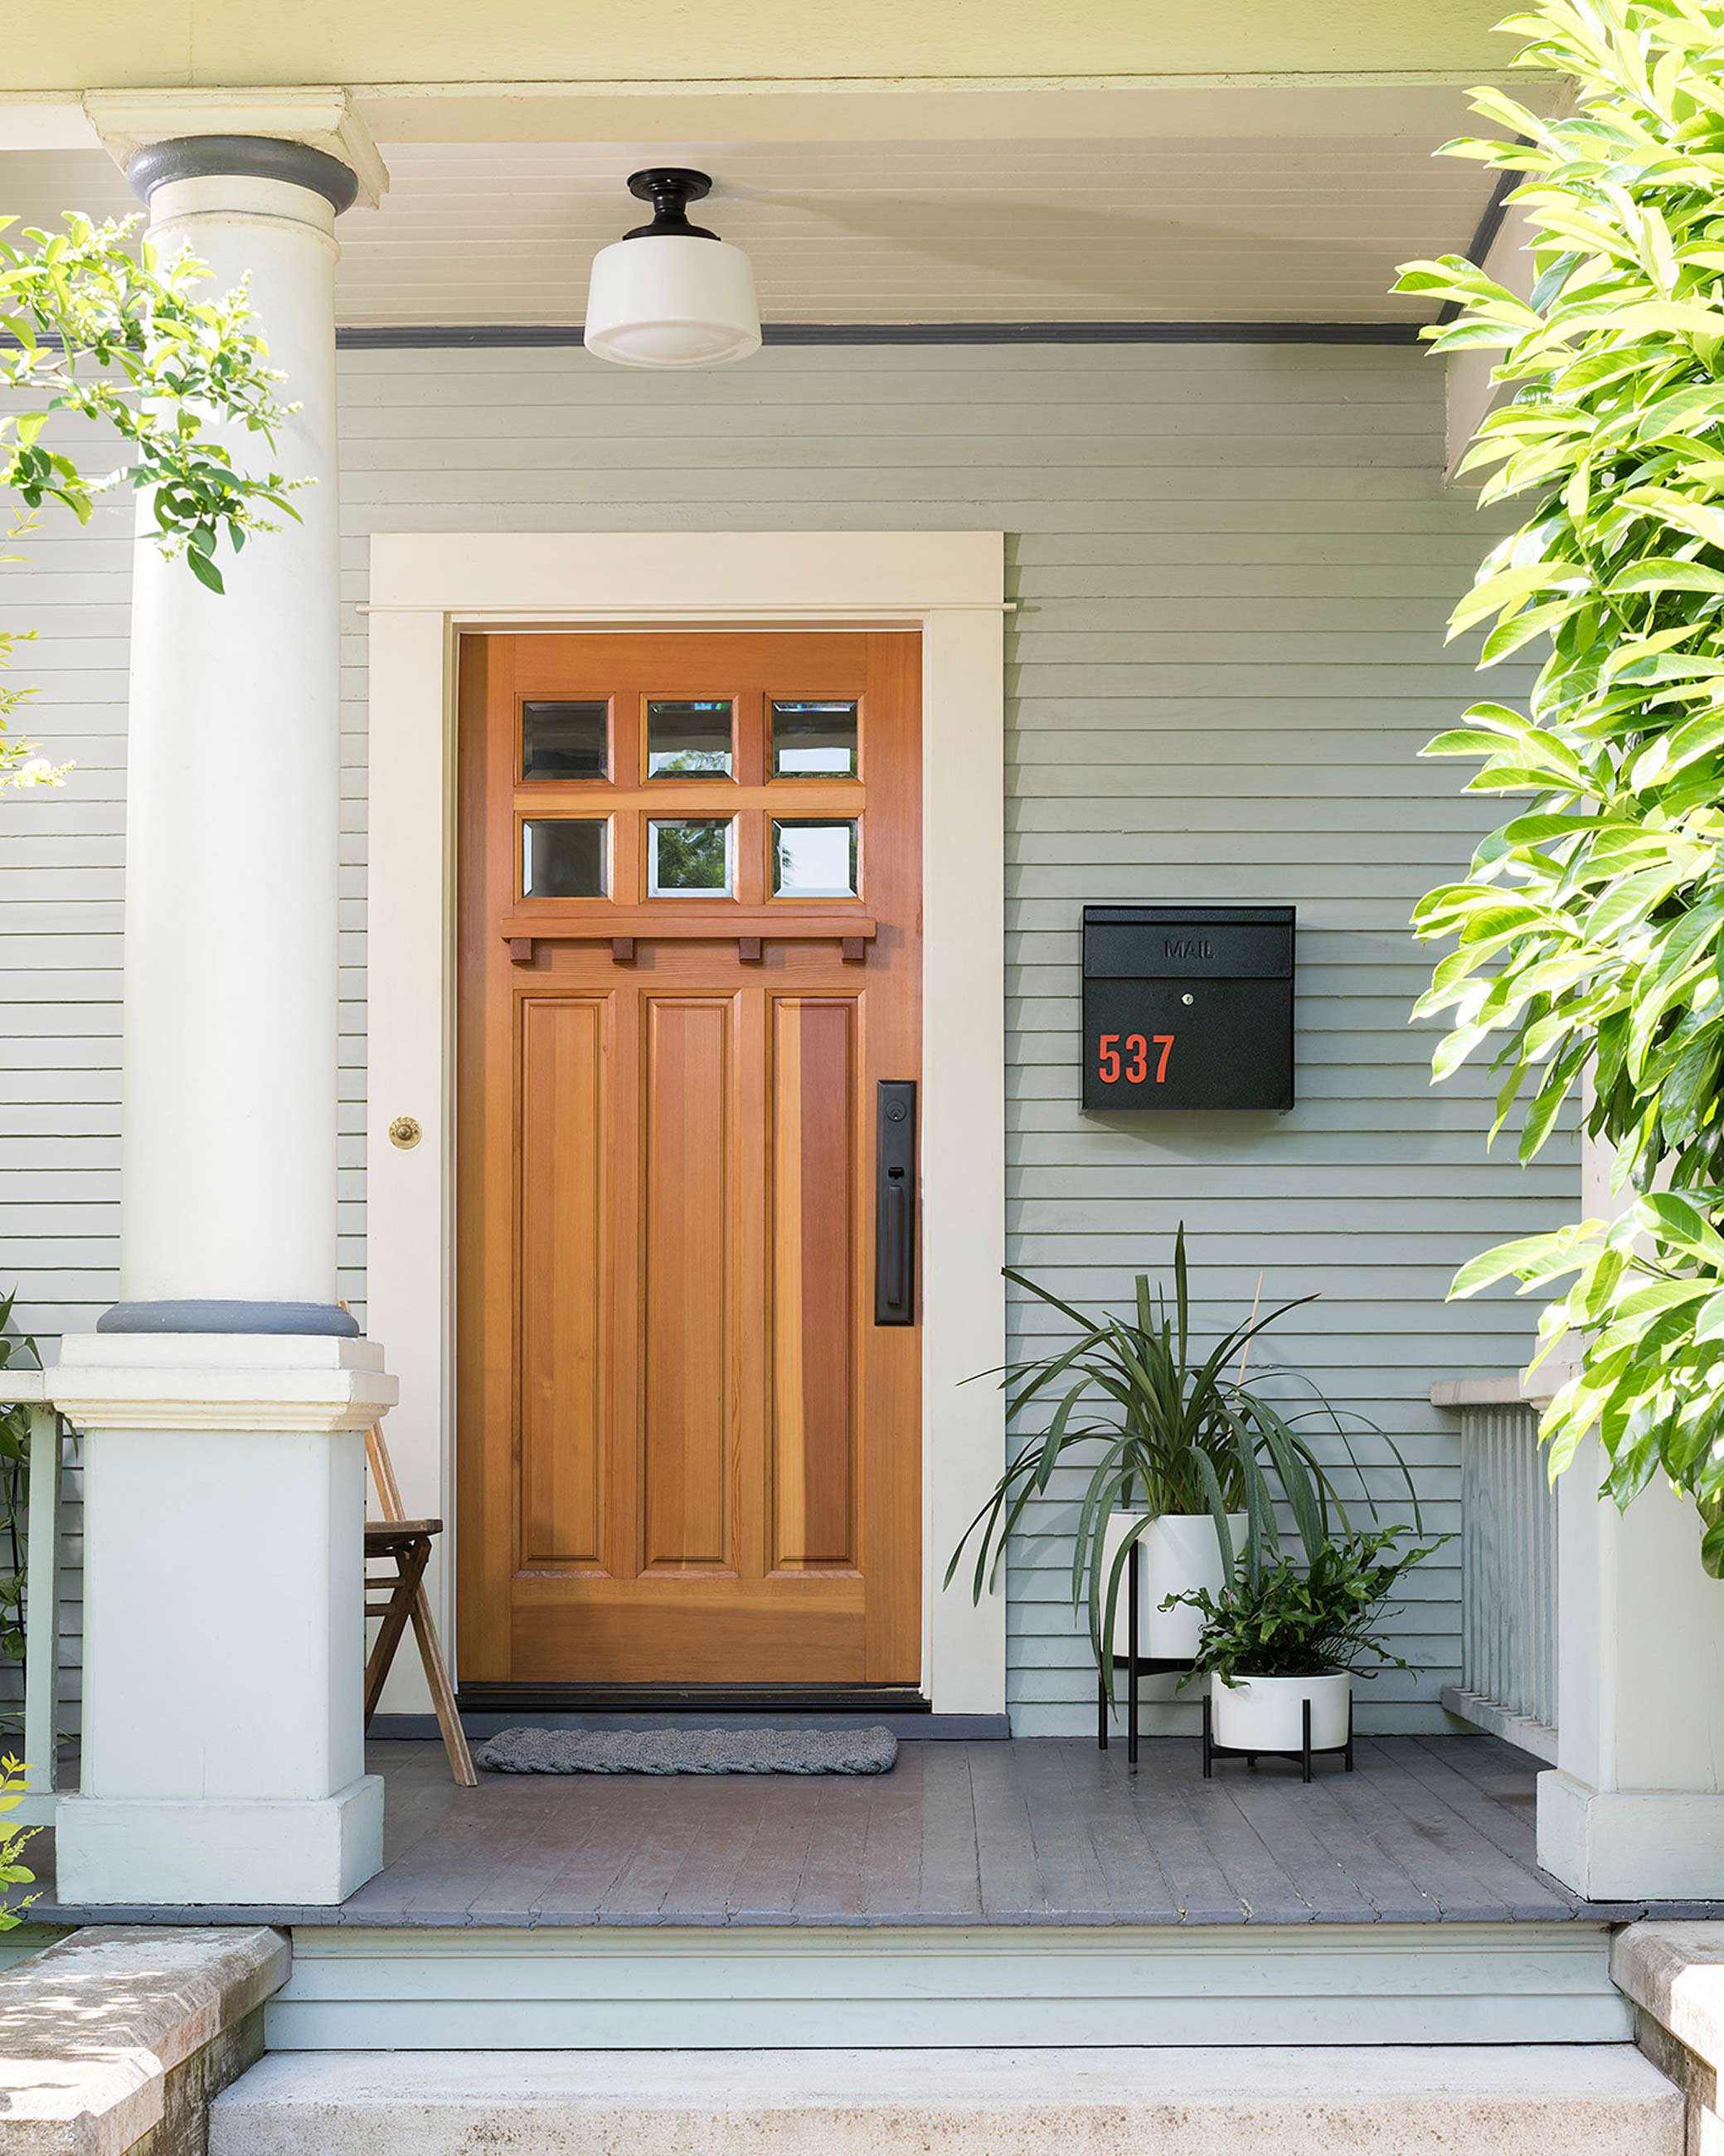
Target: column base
x,y
170,1852
1632,1844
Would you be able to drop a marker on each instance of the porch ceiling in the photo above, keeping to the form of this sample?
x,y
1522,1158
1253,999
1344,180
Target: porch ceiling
x,y
1285,226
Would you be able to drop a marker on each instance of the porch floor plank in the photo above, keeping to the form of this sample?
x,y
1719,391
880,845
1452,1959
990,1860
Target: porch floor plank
x,y
1198,1884
1306,1852
1042,1831
948,1877
1373,1870
1132,1875
1512,1889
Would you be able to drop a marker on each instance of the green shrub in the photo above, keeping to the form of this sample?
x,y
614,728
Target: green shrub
x,y
1590,931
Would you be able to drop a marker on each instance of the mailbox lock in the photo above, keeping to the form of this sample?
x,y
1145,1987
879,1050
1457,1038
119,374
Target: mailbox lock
x,y
405,1132
1187,1000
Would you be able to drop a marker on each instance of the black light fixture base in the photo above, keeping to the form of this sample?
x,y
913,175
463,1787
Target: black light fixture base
x,y
670,188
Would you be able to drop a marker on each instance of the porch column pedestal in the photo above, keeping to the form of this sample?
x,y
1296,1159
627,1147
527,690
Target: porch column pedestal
x,y
224,1399
1634,1809
223,1755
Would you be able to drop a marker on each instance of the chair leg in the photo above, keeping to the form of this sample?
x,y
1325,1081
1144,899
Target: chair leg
x,y
409,1572
442,1692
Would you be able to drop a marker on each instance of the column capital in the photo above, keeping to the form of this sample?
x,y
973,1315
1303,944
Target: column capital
x,y
318,119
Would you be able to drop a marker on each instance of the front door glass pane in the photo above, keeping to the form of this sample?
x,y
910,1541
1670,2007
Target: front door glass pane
x,y
564,741
813,740
688,739
564,858
813,860
689,858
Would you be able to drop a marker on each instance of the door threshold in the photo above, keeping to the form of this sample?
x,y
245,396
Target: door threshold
x,y
907,1728
690,1699
486,1709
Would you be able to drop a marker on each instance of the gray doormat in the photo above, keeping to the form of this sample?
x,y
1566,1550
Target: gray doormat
x,y
872,1750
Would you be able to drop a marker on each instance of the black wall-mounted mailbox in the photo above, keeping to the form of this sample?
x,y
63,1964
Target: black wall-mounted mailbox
x,y
1188,1006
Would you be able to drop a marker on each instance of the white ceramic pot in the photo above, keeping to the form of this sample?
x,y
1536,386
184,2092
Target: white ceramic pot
x,y
1263,1714
1178,1552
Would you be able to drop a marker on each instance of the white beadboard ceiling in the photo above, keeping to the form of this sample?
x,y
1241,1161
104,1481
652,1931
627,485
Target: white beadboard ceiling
x,y
1258,229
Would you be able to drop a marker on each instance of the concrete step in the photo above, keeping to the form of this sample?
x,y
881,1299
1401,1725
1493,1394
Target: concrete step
x,y
1461,2100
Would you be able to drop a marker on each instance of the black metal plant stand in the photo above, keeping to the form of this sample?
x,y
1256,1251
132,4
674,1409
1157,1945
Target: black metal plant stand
x,y
1305,1754
1137,1667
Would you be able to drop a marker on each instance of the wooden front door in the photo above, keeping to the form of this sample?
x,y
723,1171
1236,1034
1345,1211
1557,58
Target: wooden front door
x,y
688,1453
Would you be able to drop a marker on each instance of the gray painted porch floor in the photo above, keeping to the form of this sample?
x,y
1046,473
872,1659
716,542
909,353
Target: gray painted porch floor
x,y
1428,1829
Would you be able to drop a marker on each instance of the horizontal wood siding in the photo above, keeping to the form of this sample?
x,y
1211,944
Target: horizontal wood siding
x,y
1231,566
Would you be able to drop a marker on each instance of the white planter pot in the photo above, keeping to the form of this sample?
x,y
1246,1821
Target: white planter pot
x,y
1263,1714
1177,1553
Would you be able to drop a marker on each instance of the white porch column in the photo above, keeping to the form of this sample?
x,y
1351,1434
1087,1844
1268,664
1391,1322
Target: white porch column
x,y
1634,1809
229,1150
225,1397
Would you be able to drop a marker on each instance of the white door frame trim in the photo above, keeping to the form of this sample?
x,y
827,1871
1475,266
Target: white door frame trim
x,y
425,589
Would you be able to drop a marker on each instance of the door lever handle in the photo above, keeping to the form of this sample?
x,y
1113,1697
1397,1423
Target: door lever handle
x,y
895,1203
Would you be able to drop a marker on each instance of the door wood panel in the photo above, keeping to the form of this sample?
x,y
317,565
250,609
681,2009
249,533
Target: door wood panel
x,y
685,1454
562,1346
688,1372
815,1220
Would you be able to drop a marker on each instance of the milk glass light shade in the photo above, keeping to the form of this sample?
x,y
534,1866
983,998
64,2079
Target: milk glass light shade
x,y
671,295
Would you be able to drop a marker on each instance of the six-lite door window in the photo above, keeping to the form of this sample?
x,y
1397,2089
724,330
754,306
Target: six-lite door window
x,y
691,853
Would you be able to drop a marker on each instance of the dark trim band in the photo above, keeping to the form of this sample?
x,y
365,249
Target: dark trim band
x,y
416,336
919,1728
505,1697
196,1315
243,157
1489,225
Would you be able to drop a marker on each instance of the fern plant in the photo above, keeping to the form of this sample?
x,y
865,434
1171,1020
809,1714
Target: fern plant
x,y
1590,933
1319,1621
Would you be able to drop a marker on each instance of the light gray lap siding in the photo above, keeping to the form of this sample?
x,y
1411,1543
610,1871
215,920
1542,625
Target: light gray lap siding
x,y
1231,566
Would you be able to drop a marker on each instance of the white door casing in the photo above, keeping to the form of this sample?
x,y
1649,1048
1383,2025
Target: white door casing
x,y
425,590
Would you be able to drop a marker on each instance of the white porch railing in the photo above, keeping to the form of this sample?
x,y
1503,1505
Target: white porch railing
x,y
42,1557
1508,1543
44,1579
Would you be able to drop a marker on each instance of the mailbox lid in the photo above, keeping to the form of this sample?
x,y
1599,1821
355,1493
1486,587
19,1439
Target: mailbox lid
x,y
1188,943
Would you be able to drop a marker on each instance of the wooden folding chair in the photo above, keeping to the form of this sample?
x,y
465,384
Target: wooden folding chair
x,y
407,1544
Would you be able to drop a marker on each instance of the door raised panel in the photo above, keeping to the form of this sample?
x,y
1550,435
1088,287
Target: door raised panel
x,y
688,1389
814,1213
562,1281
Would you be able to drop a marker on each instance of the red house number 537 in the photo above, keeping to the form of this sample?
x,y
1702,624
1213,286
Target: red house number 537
x,y
1133,1064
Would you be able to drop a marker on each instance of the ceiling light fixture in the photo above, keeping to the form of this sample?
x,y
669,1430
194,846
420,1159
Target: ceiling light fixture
x,y
671,294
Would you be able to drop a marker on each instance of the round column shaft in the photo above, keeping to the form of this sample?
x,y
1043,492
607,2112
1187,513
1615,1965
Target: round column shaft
x,y
228,1174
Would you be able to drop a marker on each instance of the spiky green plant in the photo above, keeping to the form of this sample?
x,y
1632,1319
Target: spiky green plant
x,y
1162,1426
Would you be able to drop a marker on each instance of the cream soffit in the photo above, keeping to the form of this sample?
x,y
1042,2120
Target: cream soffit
x,y
1324,102
124,120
